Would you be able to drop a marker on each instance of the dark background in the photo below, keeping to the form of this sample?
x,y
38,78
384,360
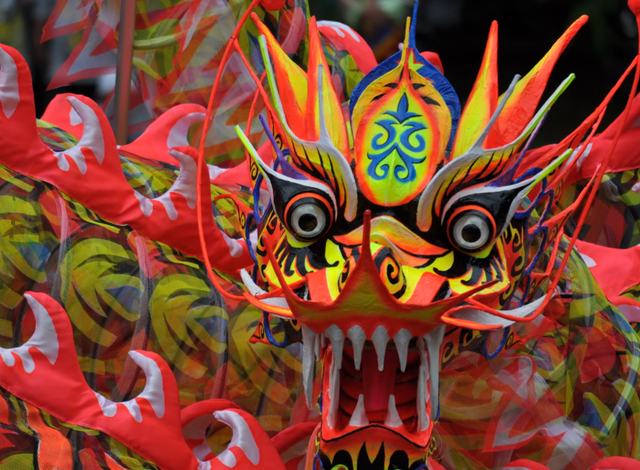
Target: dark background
x,y
457,30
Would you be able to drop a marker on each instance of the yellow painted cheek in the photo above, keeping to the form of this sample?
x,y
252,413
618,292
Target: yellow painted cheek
x,y
295,243
392,276
308,266
333,253
457,285
271,277
294,278
411,276
484,254
334,256
443,263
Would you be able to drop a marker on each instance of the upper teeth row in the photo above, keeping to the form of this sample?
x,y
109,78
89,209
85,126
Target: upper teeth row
x,y
429,368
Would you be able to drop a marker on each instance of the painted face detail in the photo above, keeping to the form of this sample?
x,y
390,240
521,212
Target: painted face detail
x,y
390,217
399,144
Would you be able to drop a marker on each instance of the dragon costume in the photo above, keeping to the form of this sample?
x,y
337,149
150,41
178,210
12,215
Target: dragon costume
x,y
331,266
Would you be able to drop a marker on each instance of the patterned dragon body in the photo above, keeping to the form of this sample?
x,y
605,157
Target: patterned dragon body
x,y
388,281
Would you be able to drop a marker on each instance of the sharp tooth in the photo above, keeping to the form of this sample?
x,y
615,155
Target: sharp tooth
x,y
402,339
423,419
318,347
434,341
393,418
308,363
423,391
380,339
334,393
336,336
357,337
359,417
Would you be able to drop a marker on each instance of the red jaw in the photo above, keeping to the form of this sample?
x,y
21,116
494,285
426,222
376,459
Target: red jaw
x,y
378,384
377,387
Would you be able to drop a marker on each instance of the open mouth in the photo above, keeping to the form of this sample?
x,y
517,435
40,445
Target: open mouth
x,y
389,383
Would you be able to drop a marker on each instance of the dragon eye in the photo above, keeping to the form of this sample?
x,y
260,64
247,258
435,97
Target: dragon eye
x,y
308,216
471,229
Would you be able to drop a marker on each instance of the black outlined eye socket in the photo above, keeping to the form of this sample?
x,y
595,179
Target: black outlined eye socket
x,y
308,216
471,229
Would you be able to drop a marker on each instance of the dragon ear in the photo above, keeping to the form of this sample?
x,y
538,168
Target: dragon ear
x,y
521,105
483,99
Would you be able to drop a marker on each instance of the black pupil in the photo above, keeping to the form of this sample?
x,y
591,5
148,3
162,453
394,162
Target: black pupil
x,y
308,222
471,233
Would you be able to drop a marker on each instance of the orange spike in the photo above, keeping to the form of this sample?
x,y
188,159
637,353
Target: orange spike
x,y
405,44
334,118
406,52
291,81
483,99
522,104
316,57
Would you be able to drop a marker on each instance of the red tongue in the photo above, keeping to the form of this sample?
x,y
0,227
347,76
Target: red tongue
x,y
378,385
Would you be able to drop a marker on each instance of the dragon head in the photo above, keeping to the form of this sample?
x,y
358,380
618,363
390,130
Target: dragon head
x,y
387,218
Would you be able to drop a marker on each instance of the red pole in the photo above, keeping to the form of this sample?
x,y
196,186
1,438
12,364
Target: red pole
x,y
123,76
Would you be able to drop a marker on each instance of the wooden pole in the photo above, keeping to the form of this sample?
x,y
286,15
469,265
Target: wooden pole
x,y
123,74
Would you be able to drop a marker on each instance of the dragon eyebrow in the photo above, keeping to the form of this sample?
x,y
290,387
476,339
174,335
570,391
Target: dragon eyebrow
x,y
270,173
324,142
477,150
520,189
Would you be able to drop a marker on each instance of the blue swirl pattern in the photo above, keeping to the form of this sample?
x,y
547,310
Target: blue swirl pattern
x,y
396,137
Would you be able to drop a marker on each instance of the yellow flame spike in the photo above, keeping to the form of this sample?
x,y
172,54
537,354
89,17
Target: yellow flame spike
x,y
483,99
291,81
523,102
405,44
334,118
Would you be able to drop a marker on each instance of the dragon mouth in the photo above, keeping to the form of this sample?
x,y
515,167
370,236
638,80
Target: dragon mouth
x,y
377,382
